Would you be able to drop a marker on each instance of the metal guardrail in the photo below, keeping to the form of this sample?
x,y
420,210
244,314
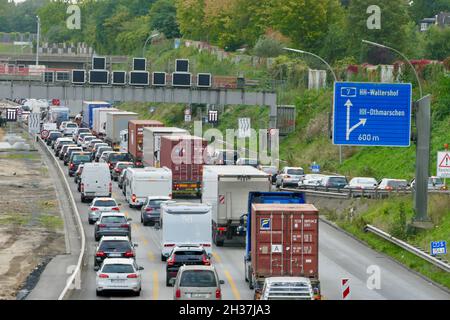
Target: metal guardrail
x,y
77,271
349,193
431,259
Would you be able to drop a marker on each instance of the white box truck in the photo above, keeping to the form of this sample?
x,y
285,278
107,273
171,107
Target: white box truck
x,y
226,188
99,120
152,142
185,224
117,121
144,182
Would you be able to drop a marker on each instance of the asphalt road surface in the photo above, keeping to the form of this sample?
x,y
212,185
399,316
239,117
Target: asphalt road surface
x,y
340,257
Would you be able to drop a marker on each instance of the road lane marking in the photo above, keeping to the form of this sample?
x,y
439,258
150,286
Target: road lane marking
x,y
145,241
234,289
151,256
216,257
155,285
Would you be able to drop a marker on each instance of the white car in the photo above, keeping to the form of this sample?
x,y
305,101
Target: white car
x,y
77,132
81,136
86,140
290,176
363,183
311,180
118,274
100,205
393,184
104,156
69,128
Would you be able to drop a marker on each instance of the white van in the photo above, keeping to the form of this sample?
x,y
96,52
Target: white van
x,y
95,181
185,224
144,182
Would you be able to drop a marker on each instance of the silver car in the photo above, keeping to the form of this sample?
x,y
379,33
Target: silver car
x,y
290,176
197,282
118,274
99,205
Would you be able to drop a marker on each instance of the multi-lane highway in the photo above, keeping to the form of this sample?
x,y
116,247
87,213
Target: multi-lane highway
x,y
340,257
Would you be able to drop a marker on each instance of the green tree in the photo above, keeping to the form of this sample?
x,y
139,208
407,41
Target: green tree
x,y
421,9
438,43
190,17
163,18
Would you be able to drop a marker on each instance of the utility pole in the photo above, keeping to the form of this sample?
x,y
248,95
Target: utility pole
x,y
37,40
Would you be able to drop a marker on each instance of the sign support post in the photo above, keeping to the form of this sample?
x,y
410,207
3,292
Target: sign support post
x,y
423,124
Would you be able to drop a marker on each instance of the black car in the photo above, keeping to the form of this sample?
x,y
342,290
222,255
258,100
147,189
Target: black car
x,y
115,157
60,145
151,210
52,137
114,247
76,159
185,255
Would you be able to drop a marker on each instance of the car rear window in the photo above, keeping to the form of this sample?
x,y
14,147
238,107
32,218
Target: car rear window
x,y
115,245
114,219
118,268
156,203
71,125
189,253
124,165
105,203
115,157
81,158
295,171
198,278
397,184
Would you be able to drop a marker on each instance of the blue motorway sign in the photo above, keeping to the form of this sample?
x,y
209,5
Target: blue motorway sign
x,y
372,114
315,168
438,247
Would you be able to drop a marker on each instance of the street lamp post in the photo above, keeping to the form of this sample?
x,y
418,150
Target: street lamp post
x,y
37,40
423,124
332,72
146,41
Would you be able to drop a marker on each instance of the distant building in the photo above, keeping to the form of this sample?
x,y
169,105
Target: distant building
x,y
442,20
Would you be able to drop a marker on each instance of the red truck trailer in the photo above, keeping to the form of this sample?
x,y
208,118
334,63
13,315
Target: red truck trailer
x,y
184,155
285,242
136,137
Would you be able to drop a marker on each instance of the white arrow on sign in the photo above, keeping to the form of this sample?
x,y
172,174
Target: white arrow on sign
x,y
349,104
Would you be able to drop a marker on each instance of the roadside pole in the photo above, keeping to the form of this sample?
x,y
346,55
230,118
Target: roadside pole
x,y
423,124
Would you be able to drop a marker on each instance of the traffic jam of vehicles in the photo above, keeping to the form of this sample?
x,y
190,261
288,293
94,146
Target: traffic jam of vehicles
x,y
159,169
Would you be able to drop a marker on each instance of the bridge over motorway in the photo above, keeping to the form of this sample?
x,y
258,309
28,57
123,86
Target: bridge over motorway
x,y
67,91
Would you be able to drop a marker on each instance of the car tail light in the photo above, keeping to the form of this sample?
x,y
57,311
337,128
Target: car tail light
x,y
170,195
169,244
110,187
124,225
148,209
133,198
218,294
71,166
178,294
206,245
82,187
132,276
102,225
288,176
111,165
223,229
171,261
100,254
206,261
115,209
117,170
129,254
94,209
103,275
138,163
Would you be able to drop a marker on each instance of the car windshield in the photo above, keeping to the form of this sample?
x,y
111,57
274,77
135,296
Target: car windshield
x,y
81,158
114,157
297,172
105,203
189,253
198,278
55,134
88,138
102,149
115,245
114,219
118,268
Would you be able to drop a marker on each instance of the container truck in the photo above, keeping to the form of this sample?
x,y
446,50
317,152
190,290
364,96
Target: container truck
x,y
284,243
184,155
152,143
136,137
117,121
227,188
99,121
88,110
